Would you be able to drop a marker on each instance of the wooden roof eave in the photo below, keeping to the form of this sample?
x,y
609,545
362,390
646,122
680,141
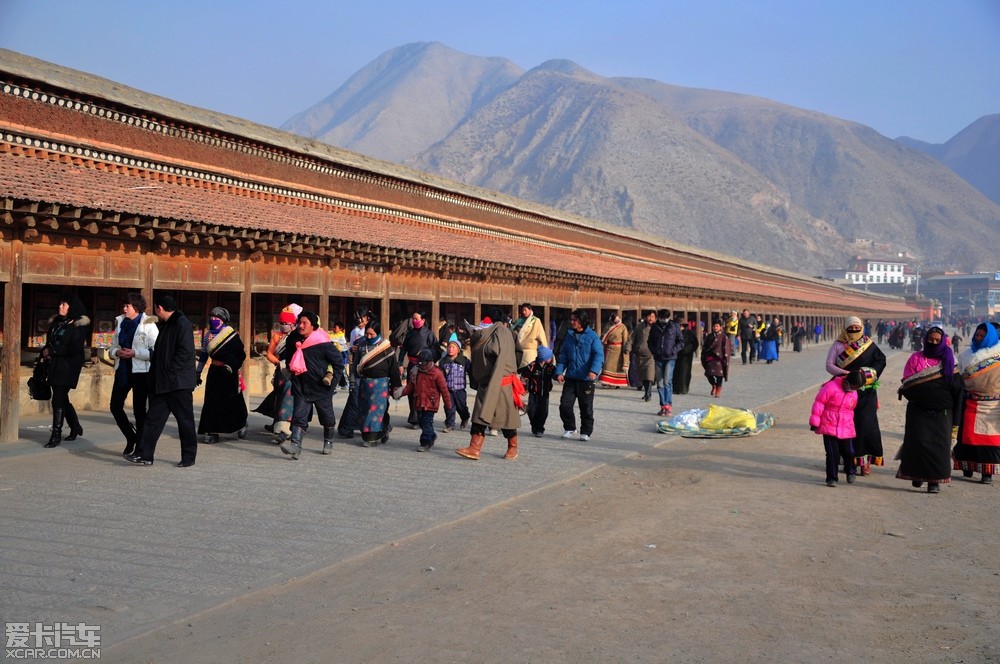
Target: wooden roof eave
x,y
161,233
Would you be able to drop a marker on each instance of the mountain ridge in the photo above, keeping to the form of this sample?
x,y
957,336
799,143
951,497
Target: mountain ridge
x,y
731,173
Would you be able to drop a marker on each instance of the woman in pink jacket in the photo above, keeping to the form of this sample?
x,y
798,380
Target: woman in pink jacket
x,y
833,416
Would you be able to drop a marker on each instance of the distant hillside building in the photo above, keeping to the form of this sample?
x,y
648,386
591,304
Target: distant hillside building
x,y
871,271
880,271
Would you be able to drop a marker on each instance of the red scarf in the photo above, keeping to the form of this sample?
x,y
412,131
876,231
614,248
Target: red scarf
x,y
517,388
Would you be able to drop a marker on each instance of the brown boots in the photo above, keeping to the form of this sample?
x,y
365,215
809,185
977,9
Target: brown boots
x,y
475,445
716,390
511,449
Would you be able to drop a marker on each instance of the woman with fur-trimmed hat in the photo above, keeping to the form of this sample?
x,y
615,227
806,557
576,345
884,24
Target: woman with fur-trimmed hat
x,y
978,442
65,353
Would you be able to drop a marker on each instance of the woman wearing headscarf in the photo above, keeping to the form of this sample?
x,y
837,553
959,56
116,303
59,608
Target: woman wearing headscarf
x,y
685,356
64,351
132,347
224,409
279,404
978,448
933,393
769,340
616,353
715,355
855,351
378,379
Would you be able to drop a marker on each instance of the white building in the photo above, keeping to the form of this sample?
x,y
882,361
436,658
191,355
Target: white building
x,y
880,271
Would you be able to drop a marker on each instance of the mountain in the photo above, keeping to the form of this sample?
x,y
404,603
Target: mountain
x,y
564,137
730,173
404,101
973,153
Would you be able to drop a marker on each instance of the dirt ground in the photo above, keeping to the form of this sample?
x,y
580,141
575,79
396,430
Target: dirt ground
x,y
699,551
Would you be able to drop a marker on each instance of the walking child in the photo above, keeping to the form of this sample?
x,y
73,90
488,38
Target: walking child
x,y
339,340
455,367
538,375
833,417
428,387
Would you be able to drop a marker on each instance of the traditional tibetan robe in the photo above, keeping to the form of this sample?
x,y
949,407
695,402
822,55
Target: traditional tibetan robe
x,y
616,347
494,370
932,409
866,356
978,448
224,410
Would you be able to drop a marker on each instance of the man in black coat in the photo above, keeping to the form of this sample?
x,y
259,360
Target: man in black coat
x,y
172,379
318,355
746,330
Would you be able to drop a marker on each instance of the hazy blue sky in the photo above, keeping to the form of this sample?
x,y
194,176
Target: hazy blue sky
x,y
921,68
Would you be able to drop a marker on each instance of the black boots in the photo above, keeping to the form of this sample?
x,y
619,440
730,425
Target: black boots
x,y
293,447
328,433
57,420
75,430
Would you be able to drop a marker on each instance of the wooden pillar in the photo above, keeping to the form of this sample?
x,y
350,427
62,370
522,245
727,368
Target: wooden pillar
x,y
435,314
146,262
546,318
385,310
246,326
246,312
324,299
10,361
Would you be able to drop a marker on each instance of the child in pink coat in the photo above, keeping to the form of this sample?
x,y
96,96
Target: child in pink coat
x,y
833,416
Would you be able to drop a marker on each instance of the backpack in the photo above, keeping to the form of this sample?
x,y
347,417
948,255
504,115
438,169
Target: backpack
x,y
399,332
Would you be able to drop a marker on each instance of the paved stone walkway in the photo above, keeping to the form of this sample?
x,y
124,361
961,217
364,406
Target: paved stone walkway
x,y
87,537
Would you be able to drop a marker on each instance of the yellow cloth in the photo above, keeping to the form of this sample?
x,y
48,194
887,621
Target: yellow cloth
x,y
720,417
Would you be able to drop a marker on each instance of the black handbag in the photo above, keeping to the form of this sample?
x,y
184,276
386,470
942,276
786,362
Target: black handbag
x,y
38,384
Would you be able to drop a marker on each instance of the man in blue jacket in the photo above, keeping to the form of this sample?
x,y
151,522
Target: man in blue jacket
x,y
581,358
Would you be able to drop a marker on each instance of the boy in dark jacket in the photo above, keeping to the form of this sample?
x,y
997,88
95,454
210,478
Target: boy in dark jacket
x,y
427,385
455,367
538,375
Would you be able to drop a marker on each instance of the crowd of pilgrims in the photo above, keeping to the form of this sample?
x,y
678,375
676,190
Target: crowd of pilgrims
x,y
952,411
952,396
911,333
